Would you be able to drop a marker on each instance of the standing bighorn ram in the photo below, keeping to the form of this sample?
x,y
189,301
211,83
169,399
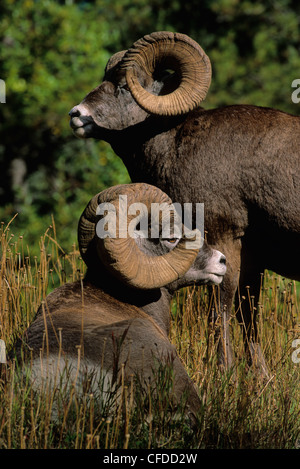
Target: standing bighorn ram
x,y
242,161
119,313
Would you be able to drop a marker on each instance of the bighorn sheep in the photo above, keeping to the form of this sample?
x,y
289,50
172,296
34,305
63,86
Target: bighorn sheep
x,y
242,161
124,298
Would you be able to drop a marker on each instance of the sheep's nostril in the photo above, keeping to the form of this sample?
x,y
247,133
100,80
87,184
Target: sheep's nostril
x,y
75,112
223,260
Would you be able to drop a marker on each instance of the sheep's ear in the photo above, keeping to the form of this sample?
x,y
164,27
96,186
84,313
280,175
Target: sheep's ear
x,y
114,62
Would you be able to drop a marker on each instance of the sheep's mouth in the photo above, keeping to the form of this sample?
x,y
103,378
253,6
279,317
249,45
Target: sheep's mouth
x,y
215,278
81,126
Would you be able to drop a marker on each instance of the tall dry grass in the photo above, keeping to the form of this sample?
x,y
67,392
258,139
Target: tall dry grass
x,y
239,409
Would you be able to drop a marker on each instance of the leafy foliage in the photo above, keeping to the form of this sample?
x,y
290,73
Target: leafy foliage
x,y
52,56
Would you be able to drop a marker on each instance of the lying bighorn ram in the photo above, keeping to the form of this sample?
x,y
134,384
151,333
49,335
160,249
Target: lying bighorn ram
x,y
242,161
124,297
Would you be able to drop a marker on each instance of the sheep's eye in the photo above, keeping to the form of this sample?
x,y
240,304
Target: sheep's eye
x,y
125,87
173,241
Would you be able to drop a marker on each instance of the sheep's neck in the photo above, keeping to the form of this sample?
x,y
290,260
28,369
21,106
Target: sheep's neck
x,y
156,302
141,146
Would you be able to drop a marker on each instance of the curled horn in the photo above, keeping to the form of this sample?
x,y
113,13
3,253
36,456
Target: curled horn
x,y
121,255
167,50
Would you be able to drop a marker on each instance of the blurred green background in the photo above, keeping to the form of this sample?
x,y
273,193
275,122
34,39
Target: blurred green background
x,y
53,52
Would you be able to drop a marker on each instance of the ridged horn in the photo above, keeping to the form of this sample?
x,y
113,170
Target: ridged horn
x,y
121,255
167,50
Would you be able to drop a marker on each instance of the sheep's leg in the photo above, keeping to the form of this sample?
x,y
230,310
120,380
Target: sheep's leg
x,y
222,301
247,308
221,319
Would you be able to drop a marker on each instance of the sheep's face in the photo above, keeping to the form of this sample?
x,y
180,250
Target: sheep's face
x,y
109,107
208,268
167,74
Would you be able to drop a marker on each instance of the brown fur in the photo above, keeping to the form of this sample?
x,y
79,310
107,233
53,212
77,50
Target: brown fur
x,y
114,325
